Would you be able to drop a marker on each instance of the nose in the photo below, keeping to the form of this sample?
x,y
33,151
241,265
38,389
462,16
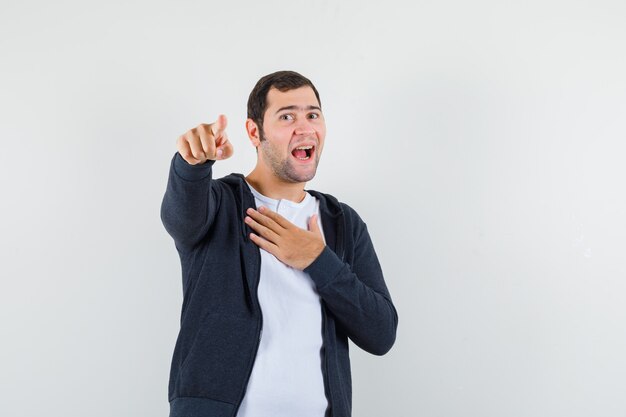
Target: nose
x,y
304,128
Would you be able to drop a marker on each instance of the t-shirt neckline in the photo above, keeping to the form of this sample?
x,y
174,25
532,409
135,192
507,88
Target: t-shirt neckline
x,y
274,202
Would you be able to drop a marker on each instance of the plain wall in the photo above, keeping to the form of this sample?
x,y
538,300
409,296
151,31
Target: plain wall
x,y
482,142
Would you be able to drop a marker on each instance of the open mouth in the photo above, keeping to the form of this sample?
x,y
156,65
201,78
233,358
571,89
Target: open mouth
x,y
304,152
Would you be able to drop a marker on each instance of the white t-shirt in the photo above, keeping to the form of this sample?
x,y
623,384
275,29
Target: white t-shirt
x,y
287,379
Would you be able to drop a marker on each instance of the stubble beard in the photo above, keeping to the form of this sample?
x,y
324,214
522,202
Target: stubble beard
x,y
284,168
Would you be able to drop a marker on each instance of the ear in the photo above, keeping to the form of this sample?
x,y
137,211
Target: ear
x,y
253,133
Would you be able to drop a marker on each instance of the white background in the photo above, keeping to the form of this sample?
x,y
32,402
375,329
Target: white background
x,y
482,142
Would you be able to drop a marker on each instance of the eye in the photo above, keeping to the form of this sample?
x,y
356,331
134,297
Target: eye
x,y
286,117
314,115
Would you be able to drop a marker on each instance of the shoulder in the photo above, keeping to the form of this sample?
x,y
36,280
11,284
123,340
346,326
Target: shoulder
x,y
351,217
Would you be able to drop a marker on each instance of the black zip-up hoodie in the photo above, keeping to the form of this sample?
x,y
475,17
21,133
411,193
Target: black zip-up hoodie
x,y
221,320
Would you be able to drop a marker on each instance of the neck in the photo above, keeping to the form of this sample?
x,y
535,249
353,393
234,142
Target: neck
x,y
273,187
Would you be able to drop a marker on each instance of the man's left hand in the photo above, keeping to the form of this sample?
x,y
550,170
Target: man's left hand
x,y
292,245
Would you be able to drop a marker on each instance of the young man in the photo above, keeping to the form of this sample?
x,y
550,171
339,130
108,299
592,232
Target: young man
x,y
275,278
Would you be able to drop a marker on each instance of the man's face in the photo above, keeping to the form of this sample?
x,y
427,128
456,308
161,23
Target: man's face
x,y
293,134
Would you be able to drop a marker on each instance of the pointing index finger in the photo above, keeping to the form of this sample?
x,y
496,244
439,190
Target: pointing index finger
x,y
219,126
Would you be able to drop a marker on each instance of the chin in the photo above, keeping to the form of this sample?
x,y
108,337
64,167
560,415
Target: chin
x,y
293,174
298,178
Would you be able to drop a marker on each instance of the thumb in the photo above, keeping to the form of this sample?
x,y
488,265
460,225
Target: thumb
x,y
313,226
224,148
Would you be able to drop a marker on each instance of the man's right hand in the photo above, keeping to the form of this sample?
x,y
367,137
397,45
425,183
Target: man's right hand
x,y
205,142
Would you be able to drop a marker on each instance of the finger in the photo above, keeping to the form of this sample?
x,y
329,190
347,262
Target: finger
x,y
195,145
185,151
265,221
221,140
280,220
262,230
313,226
225,150
218,127
264,244
207,140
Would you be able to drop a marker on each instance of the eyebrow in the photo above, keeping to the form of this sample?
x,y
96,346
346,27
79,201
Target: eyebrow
x,y
298,108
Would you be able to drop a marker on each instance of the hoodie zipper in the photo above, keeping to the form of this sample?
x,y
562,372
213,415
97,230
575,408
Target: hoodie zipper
x,y
260,332
339,247
326,381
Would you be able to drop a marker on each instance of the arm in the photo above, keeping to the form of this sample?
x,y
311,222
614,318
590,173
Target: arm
x,y
188,206
355,293
191,198
357,296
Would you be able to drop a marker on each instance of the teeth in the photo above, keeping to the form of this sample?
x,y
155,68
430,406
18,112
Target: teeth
x,y
305,147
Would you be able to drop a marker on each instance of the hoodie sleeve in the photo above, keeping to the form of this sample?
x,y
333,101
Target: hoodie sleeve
x,y
356,294
189,203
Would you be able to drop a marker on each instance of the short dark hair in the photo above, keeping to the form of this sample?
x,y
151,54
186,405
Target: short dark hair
x,y
282,81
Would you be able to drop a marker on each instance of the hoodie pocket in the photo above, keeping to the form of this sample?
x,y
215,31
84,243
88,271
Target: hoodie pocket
x,y
218,362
